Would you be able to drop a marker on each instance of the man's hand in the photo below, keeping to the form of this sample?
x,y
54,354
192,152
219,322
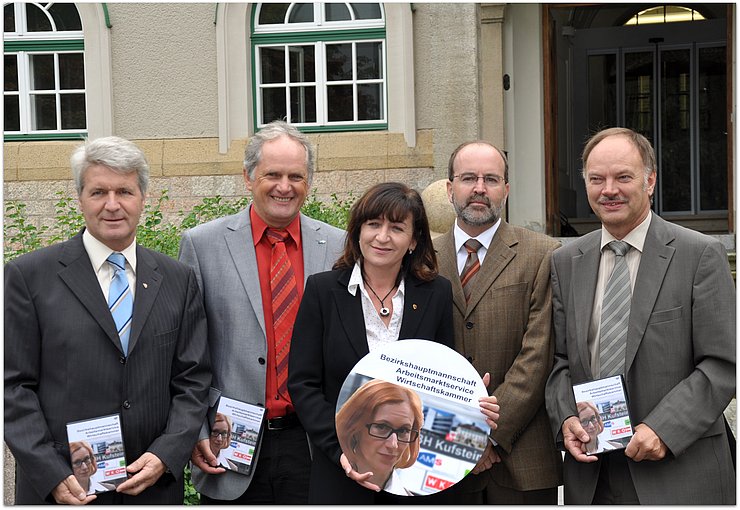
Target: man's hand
x,y
148,469
204,459
487,460
361,478
70,492
489,405
645,445
575,439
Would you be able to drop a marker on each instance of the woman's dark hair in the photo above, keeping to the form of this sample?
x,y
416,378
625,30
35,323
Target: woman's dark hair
x,y
393,201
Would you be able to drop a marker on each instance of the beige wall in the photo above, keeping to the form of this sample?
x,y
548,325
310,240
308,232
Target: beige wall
x,y
447,78
165,97
163,70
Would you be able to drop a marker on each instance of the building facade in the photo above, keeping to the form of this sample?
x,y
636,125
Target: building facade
x,y
386,91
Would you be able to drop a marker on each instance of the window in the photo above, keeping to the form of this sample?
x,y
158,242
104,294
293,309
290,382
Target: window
x,y
665,14
321,66
44,92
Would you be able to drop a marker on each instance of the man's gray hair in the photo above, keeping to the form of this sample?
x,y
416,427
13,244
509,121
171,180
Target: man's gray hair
x,y
272,131
120,155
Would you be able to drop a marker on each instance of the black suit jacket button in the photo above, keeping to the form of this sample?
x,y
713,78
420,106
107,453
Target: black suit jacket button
x,y
469,325
261,361
122,360
126,404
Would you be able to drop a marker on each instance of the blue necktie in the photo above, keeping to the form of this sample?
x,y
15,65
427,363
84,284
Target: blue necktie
x,y
120,300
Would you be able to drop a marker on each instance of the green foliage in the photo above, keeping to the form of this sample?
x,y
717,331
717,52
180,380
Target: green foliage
x,y
153,233
68,218
336,213
210,209
192,497
21,236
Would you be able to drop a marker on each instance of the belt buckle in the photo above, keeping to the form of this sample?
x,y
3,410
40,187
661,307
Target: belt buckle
x,y
278,423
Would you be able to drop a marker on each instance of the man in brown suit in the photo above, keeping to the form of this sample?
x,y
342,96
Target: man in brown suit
x,y
503,327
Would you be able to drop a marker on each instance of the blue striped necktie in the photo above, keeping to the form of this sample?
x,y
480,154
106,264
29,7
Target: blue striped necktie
x,y
120,300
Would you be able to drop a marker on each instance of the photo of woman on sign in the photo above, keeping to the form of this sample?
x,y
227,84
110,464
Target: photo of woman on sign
x,y
378,430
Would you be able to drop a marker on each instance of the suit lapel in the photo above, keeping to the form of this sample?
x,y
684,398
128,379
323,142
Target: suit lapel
x,y
415,301
350,313
79,276
241,248
654,261
448,266
148,282
314,245
585,270
501,251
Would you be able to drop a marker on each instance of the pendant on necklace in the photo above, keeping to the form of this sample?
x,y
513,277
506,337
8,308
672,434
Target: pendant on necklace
x,y
384,312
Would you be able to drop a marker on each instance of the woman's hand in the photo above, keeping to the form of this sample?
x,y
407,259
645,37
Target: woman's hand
x,y
489,405
361,478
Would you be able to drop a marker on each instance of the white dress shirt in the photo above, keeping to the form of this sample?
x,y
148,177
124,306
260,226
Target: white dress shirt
x,y
99,253
376,330
485,238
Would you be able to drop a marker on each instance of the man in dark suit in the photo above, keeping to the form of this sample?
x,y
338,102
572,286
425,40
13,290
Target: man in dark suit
x,y
502,325
69,358
232,258
669,329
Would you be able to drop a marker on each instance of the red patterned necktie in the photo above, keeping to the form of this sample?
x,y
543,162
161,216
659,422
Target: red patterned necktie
x,y
472,265
284,304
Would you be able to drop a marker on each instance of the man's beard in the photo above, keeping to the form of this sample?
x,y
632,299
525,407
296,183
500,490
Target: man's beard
x,y
478,219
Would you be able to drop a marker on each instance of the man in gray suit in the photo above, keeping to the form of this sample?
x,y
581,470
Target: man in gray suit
x,y
674,342
232,260
68,358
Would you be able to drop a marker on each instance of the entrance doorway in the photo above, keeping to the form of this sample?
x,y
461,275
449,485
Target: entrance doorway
x,y
667,81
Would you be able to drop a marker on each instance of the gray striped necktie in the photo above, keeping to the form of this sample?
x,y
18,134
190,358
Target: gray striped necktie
x,y
615,313
120,299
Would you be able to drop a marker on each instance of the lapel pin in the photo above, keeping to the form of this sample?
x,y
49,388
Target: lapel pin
x,y
414,306
145,285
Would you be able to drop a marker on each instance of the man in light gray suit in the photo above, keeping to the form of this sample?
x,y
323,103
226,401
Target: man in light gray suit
x,y
234,265
678,350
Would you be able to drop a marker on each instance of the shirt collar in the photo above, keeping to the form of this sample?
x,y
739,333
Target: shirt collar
x,y
355,281
636,237
484,237
99,252
259,227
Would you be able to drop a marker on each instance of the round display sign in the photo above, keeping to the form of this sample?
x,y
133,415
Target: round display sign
x,y
409,414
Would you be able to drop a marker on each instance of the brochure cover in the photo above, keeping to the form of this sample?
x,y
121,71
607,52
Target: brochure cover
x,y
409,413
602,409
96,453
235,434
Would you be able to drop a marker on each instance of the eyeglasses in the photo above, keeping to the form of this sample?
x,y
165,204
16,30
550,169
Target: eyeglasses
x,y
590,421
78,463
383,431
222,435
469,179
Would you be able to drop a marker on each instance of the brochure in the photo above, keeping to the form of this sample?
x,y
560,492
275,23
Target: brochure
x,y
604,414
235,434
97,454
409,413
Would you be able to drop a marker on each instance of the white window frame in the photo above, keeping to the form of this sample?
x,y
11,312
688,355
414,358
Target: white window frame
x,y
233,53
315,34
97,60
322,83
